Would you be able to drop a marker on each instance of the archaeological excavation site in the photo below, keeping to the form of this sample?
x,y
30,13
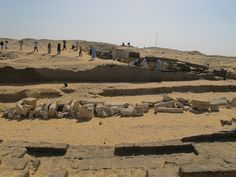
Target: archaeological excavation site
x,y
130,112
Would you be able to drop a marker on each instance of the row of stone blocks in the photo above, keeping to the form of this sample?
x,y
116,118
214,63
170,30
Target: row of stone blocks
x,y
86,110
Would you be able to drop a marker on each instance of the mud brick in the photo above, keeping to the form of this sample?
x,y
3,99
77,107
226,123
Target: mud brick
x,y
116,163
151,162
133,163
85,164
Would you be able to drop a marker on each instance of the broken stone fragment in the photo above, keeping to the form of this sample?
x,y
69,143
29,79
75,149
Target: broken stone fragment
x,y
233,102
179,104
30,101
214,108
27,109
183,101
19,108
200,105
166,98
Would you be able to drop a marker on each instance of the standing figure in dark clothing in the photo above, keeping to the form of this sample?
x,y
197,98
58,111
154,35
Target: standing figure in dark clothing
x,y
1,44
6,43
58,48
21,44
49,48
36,46
64,45
80,52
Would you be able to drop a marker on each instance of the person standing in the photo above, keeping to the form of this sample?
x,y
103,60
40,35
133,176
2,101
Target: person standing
x,y
1,44
144,63
158,65
36,46
6,45
49,48
58,48
76,46
64,45
21,44
93,53
80,52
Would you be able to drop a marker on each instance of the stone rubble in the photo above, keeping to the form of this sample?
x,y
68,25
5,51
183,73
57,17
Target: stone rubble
x,y
86,110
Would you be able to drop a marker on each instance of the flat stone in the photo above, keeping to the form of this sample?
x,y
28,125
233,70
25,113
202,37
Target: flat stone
x,y
219,102
169,110
165,104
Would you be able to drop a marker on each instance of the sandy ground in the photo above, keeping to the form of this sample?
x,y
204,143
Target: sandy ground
x,y
114,130
151,127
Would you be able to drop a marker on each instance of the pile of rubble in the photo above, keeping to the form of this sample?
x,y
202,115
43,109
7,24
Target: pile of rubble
x,y
86,110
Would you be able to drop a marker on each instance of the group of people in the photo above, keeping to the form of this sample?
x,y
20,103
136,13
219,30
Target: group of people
x,y
4,44
142,62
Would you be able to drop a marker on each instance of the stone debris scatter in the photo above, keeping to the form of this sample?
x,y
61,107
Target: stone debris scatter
x,y
87,109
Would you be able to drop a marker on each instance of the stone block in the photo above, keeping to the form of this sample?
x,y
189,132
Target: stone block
x,y
169,110
33,165
145,106
200,105
127,112
139,111
52,111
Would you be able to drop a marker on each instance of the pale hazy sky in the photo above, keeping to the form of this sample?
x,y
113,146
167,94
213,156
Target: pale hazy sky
x,y
205,25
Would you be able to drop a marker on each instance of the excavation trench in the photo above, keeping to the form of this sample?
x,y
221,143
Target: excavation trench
x,y
162,90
